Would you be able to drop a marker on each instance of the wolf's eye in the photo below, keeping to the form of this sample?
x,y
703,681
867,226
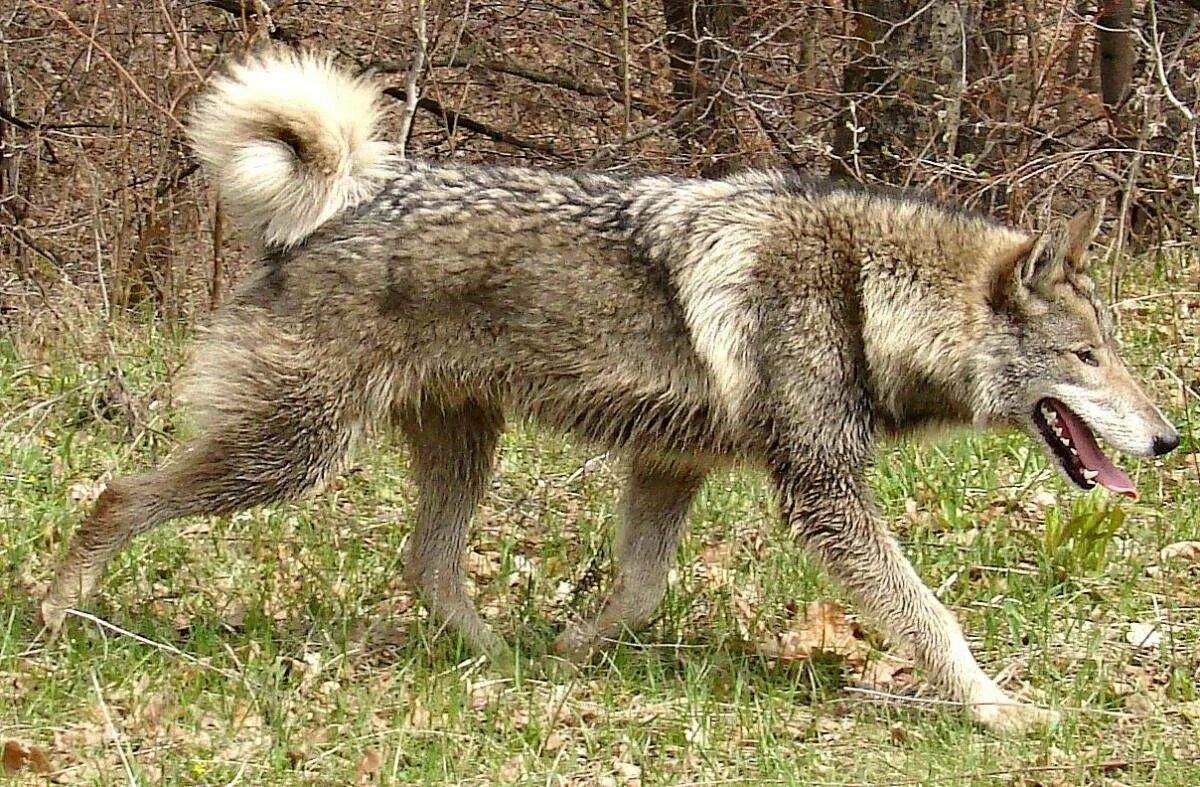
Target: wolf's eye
x,y
1087,357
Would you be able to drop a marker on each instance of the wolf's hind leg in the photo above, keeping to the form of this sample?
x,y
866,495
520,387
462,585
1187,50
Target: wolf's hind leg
x,y
654,511
452,451
853,544
240,460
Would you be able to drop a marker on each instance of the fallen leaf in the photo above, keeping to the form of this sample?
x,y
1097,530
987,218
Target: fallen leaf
x,y
1044,499
1143,635
1186,550
554,742
1141,704
419,717
481,565
87,492
484,694
15,755
822,628
714,567
512,770
629,773
885,672
368,766
19,756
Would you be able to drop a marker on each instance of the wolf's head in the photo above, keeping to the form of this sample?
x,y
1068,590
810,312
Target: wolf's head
x,y
1054,366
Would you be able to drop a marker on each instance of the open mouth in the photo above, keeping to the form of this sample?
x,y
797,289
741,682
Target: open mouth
x,y
1073,444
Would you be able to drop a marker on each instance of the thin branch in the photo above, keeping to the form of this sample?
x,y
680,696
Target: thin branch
x,y
111,728
255,9
242,8
116,64
104,624
516,69
13,120
454,120
412,94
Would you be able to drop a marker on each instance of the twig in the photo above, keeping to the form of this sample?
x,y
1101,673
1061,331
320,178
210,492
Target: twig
x,y
1156,50
116,64
411,93
104,624
454,120
111,728
883,696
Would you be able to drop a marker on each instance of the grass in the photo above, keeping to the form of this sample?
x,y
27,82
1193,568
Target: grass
x,y
278,646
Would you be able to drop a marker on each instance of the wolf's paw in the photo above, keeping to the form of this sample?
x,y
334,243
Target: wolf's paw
x,y
578,644
1013,718
53,614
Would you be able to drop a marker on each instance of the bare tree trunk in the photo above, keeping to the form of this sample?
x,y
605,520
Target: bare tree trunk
x,y
1114,47
701,71
892,88
861,74
10,191
948,40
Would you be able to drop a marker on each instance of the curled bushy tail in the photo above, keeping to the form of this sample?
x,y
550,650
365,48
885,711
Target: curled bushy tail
x,y
290,140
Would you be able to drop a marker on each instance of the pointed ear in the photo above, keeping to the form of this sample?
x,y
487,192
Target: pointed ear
x,y
1007,272
1037,264
1043,265
1081,231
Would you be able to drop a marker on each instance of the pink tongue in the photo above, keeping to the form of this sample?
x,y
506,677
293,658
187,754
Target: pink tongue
x,y
1108,475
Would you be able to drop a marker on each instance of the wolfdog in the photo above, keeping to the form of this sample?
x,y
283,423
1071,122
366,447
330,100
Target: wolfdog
x,y
763,318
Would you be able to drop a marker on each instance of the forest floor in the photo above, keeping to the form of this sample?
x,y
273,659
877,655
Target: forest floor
x,y
279,646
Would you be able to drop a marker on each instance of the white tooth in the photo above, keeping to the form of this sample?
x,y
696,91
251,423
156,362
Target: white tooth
x,y
1073,451
1090,475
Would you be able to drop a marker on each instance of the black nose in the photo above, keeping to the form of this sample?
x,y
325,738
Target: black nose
x,y
1165,444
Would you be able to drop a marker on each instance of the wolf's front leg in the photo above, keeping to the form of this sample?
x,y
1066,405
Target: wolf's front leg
x,y
834,518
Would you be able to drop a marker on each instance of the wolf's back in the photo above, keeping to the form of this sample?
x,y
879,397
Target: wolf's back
x,y
289,141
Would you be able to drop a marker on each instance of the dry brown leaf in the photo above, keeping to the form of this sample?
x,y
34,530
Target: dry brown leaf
x,y
1185,550
19,756
368,766
629,773
512,770
481,565
88,491
822,628
714,567
15,755
484,694
554,741
884,672
745,614
418,717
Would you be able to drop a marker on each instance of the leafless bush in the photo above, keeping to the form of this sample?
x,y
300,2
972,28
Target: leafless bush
x,y
1017,108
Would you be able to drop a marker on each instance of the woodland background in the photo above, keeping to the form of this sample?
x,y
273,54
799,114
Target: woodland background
x,y
280,645
1017,108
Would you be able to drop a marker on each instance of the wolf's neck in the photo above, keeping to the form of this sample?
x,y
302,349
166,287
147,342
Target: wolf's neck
x,y
920,363
921,325
924,288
